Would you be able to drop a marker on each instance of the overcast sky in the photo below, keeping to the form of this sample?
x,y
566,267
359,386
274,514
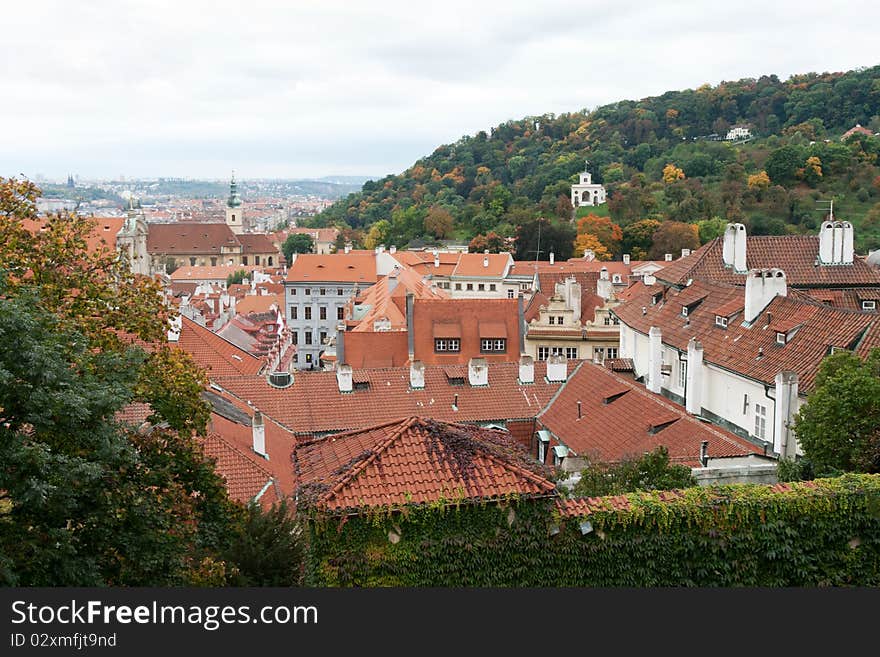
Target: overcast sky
x,y
307,89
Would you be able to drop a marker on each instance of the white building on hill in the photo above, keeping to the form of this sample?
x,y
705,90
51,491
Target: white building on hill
x,y
586,192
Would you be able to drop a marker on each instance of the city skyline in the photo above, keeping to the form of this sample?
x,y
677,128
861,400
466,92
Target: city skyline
x,y
300,91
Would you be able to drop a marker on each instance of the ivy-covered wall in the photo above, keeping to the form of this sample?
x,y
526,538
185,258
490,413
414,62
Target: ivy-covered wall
x,y
821,533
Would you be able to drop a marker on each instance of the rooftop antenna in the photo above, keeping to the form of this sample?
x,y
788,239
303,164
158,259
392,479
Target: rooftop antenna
x,y
538,251
830,208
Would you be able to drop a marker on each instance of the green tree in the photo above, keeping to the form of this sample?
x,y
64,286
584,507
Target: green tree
x,y
558,238
297,243
267,548
709,229
783,164
378,234
638,237
236,277
839,426
652,471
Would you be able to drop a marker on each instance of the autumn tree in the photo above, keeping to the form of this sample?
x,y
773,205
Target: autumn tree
x,y
564,208
609,234
758,184
493,243
378,234
671,173
438,222
589,242
638,238
672,237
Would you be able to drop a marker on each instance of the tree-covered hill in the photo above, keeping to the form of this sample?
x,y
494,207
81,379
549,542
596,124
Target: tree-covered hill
x,y
778,181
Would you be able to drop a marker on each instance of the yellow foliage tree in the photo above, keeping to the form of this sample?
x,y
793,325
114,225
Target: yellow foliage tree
x,y
587,241
671,173
760,181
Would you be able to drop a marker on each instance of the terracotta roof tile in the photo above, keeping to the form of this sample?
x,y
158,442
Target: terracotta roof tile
x,y
332,268
416,461
796,255
187,238
219,357
620,418
256,243
246,480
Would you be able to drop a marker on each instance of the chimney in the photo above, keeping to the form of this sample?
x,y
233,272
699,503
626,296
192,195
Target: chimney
x,y
521,321
762,286
667,257
526,369
655,358
347,248
739,256
478,372
847,243
649,279
604,288
436,259
485,261
417,375
344,378
626,258
258,429
175,325
694,378
704,453
392,249
603,273
685,253
826,243
552,257
455,402
392,279
340,343
784,440
579,409
410,329
573,300
381,249
838,243
557,368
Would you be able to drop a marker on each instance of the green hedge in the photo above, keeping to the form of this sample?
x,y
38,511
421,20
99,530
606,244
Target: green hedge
x,y
822,533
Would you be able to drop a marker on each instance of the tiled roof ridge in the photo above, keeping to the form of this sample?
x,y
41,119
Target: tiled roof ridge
x,y
235,448
361,465
351,432
708,426
559,390
201,337
705,248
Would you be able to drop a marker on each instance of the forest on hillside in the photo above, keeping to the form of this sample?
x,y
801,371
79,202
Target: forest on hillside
x,y
672,181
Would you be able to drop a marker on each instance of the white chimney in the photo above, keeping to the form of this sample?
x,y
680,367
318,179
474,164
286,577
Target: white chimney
x,y
728,247
478,372
344,378
762,286
603,273
436,258
694,378
552,257
685,253
392,249
649,279
826,243
838,243
347,248
784,441
417,375
847,243
667,257
526,369
739,256
485,261
573,300
259,434
655,359
626,258
174,329
604,288
557,368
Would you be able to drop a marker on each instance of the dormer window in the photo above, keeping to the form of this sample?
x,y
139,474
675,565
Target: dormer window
x,y
781,338
720,321
615,278
684,311
656,298
869,304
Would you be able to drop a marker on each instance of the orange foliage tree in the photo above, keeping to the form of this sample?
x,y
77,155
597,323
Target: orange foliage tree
x,y
608,233
587,241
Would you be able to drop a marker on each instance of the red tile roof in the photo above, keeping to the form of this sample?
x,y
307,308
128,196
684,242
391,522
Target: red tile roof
x,y
219,357
464,316
474,265
616,420
259,303
333,268
256,243
796,255
208,273
414,461
190,238
313,403
737,347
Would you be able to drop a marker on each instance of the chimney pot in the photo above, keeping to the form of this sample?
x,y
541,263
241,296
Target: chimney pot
x,y
579,410
258,429
704,453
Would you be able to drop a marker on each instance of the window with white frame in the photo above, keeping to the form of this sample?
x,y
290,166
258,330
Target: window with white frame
x,y
780,338
571,352
543,353
493,344
611,352
720,321
760,421
551,320
510,293
447,344
682,372
869,304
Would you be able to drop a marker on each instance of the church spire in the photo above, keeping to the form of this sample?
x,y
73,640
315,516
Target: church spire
x,y
234,199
